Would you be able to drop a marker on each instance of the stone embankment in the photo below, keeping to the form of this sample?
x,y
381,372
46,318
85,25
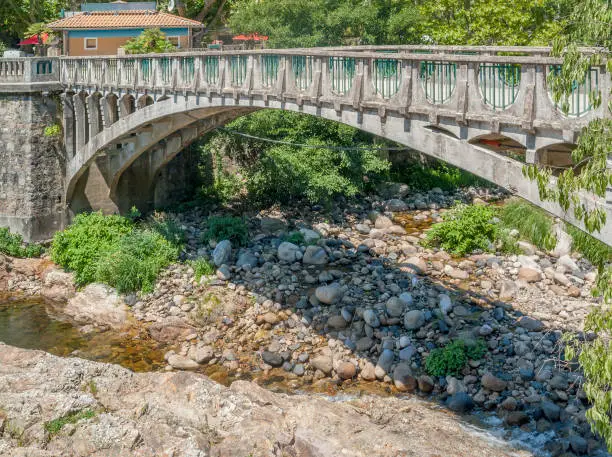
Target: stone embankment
x,y
355,303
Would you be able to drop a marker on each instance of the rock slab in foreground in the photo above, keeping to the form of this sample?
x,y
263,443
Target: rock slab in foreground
x,y
186,414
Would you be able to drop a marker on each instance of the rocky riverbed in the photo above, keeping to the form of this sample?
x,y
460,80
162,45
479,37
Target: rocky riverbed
x,y
355,304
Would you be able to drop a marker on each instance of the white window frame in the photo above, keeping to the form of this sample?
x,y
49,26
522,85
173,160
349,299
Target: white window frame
x,y
85,43
178,40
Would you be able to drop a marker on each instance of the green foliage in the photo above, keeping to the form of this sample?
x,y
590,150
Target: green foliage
x,y
202,267
3,47
134,214
168,228
16,16
531,222
426,176
453,357
54,426
282,173
135,262
12,244
52,131
294,237
465,228
597,252
91,235
227,228
149,41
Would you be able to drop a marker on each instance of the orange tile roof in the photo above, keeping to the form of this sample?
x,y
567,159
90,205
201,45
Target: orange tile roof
x,y
122,20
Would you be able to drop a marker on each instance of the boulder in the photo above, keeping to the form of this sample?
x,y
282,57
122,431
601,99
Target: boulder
x,y
396,205
336,322
346,370
507,289
246,258
445,304
426,383
289,252
323,363
310,236
403,379
368,373
394,307
272,224
417,264
414,320
273,359
315,255
329,294
371,318
385,361
180,362
222,253
529,323
58,285
97,304
493,383
461,402
455,273
382,222
550,410
529,274
203,354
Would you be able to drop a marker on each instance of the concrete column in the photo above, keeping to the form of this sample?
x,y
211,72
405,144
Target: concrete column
x,y
109,110
69,126
530,156
95,117
80,117
125,106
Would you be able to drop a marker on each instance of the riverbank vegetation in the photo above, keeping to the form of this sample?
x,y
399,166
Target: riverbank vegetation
x,y
12,244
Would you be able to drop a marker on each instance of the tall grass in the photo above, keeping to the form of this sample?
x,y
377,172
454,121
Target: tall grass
x,y
531,222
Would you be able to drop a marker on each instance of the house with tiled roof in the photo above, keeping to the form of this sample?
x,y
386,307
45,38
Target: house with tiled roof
x,y
105,31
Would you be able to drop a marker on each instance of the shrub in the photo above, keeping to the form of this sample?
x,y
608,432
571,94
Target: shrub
x,y
294,237
52,131
91,235
202,267
453,357
532,223
134,263
12,244
426,176
227,228
168,228
149,41
465,228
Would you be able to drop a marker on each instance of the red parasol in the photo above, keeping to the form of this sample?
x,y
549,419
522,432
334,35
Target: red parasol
x,y
34,40
251,37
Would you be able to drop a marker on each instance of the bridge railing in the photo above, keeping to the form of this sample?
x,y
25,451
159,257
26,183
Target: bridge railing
x,y
29,70
458,81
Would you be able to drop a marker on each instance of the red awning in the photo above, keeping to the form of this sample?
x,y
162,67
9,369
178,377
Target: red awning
x,y
251,37
34,40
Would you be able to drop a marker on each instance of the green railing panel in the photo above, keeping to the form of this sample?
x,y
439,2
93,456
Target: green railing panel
x,y
145,70
387,76
439,80
165,69
238,70
341,73
187,66
112,71
302,71
44,67
579,101
499,84
127,71
269,69
211,69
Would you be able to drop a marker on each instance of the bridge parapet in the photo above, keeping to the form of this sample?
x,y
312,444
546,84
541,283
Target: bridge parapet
x,y
480,84
37,74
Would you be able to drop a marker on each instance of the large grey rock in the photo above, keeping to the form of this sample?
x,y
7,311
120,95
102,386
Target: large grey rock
x,y
529,274
289,252
395,307
530,323
445,303
385,361
568,264
329,294
461,402
222,253
272,224
247,258
493,383
414,320
417,264
315,255
382,222
507,289
564,242
551,411
310,236
371,318
180,362
97,304
403,379
396,205
323,363
272,358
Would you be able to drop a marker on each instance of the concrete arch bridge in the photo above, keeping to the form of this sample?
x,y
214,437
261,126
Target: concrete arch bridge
x,y
487,110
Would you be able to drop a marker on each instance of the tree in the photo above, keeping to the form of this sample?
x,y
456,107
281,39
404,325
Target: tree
x,y
149,41
17,15
589,24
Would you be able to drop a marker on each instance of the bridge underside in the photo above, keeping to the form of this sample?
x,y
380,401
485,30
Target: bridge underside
x,y
119,166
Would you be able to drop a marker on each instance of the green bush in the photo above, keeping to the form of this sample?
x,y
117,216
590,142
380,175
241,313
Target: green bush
x,y
453,357
227,228
168,228
532,223
202,267
294,237
134,263
465,228
426,176
52,131
12,244
91,235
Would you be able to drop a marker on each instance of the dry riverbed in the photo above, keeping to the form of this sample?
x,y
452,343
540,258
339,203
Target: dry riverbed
x,y
352,312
